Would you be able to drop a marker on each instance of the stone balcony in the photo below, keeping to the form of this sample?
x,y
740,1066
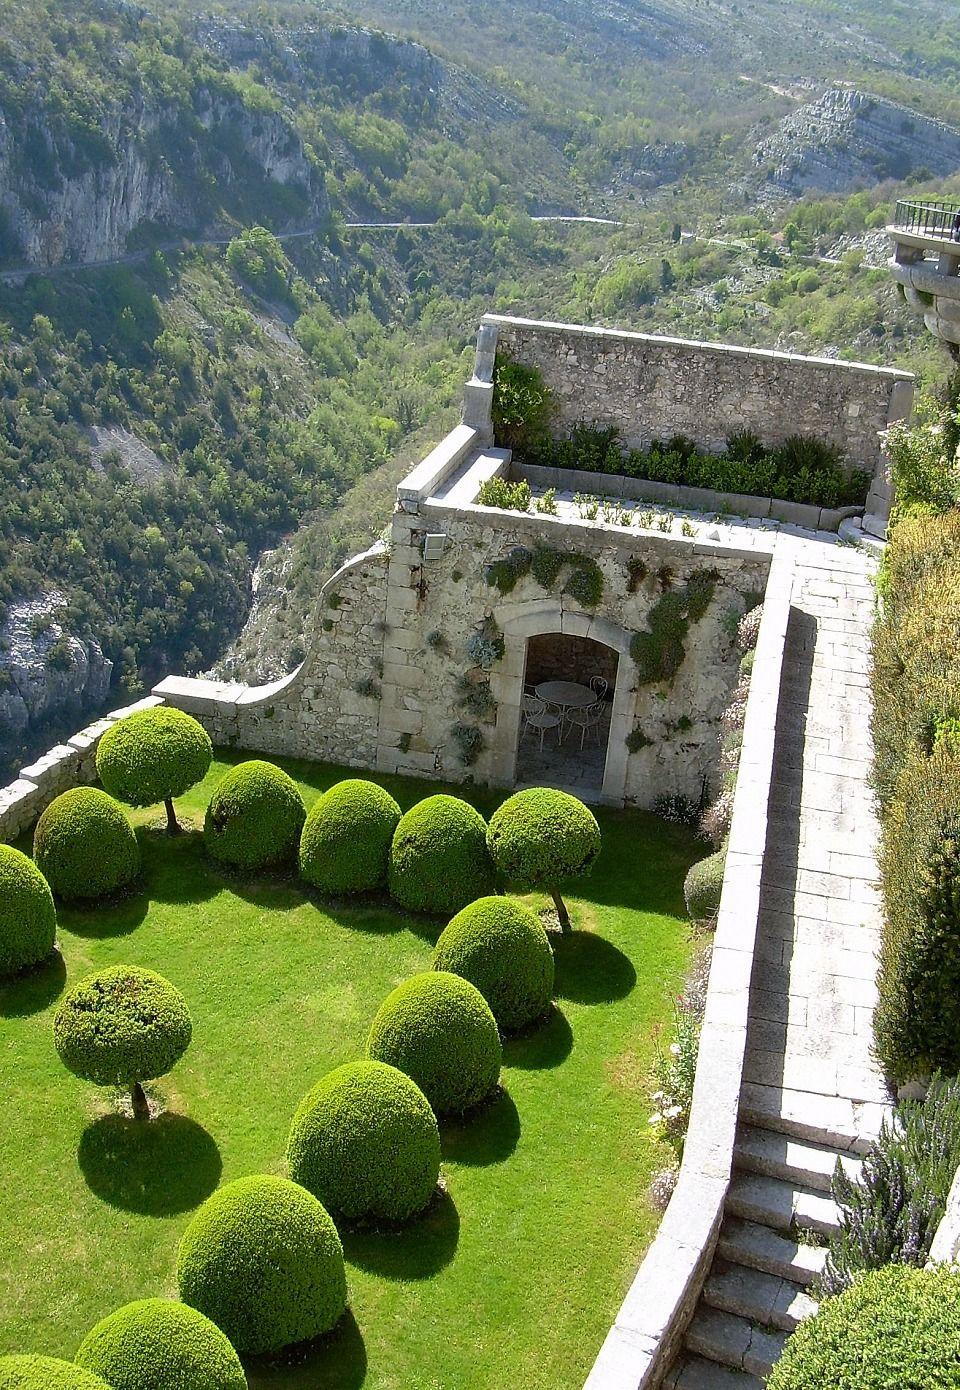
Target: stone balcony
x,y
926,264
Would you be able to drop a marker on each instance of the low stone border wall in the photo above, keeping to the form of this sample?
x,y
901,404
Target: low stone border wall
x,y
649,1328
68,764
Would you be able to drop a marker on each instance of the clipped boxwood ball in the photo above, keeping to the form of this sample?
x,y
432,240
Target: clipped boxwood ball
x,y
46,1373
84,845
345,845
540,837
255,816
153,754
439,860
501,947
365,1141
262,1259
438,1029
703,885
121,1026
157,1344
28,918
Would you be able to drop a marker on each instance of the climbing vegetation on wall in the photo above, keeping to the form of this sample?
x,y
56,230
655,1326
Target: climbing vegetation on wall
x,y
584,580
659,652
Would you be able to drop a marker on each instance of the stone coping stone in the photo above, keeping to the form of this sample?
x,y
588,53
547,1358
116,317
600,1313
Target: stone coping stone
x,y
48,771
430,473
650,1325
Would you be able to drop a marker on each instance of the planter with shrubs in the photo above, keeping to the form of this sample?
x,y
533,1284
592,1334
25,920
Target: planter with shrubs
x,y
154,755
158,1344
345,845
84,845
438,858
500,946
255,817
28,918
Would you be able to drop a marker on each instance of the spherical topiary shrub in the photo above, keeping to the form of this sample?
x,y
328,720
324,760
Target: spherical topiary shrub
x,y
28,918
439,1029
438,859
154,755
501,947
345,845
121,1027
262,1259
365,1141
46,1373
157,1344
703,885
540,837
255,816
896,1326
84,845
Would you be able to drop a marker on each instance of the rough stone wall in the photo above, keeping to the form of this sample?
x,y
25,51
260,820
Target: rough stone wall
x,y
652,388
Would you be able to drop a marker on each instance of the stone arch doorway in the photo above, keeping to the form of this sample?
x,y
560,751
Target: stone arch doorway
x,y
542,641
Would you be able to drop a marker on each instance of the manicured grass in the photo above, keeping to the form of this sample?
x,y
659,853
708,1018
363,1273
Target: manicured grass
x,y
515,1274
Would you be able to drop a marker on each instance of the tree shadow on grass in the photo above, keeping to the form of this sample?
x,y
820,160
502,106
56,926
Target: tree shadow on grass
x,y
152,1167
547,1044
416,1251
487,1134
33,990
590,969
374,913
101,918
176,867
337,1361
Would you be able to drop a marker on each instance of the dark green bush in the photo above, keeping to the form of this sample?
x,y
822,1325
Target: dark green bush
x,y
522,406
46,1373
365,1142
28,918
438,1029
917,1019
546,566
157,1344
506,574
895,1329
154,755
255,816
659,652
703,885
438,858
345,845
539,838
262,1259
122,1026
84,845
501,947
585,583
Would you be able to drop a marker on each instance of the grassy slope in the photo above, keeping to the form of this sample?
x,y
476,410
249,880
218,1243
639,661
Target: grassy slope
x,y
515,1275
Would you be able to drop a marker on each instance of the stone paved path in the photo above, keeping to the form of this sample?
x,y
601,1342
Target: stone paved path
x,y
811,1090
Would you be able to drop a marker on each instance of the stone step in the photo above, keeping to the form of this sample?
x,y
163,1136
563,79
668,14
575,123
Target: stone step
x,y
733,1342
779,1155
783,1205
832,1120
746,1243
693,1373
757,1296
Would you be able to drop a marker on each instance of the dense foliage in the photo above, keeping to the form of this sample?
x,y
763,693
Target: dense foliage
x,y
894,1327
345,845
702,887
500,946
153,755
84,845
262,1259
438,857
540,838
46,1373
255,816
365,1142
658,651
439,1030
28,918
157,1344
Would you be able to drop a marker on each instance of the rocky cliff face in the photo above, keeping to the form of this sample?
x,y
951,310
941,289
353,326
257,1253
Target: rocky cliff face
x,y
45,672
66,200
848,138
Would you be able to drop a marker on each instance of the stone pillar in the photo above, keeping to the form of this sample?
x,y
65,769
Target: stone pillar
x,y
478,392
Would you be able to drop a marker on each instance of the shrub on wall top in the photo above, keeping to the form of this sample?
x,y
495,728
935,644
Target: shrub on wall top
x,y
255,816
345,845
895,1327
157,1344
84,845
539,838
154,755
438,858
439,1030
46,1373
501,947
262,1259
365,1142
28,918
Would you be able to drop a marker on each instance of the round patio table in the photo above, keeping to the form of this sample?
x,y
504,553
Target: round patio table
x,y
566,694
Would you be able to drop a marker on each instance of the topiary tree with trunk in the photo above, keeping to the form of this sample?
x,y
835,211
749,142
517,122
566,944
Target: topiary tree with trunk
x,y
121,1027
154,755
539,838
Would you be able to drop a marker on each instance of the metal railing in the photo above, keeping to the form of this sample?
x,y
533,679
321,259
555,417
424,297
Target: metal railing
x,y
932,217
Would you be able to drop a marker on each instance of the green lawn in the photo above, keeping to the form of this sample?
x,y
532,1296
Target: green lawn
x,y
513,1277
